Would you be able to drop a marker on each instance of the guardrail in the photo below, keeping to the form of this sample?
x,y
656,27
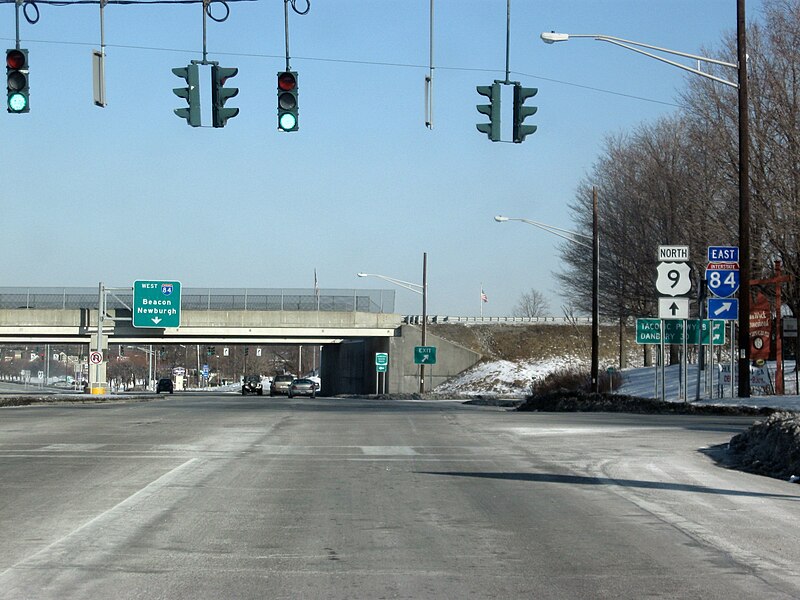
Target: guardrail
x,y
417,320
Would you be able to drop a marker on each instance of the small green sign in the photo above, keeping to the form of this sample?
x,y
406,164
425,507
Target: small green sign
x,y
648,331
380,368
381,358
424,355
156,304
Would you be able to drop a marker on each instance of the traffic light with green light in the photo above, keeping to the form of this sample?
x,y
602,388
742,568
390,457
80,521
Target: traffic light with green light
x,y
220,94
287,101
520,131
18,94
492,110
190,93
209,350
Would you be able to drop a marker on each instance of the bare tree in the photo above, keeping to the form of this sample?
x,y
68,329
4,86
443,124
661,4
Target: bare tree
x,y
531,304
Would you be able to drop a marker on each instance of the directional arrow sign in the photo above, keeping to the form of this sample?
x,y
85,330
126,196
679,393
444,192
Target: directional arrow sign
x,y
425,355
156,304
725,309
673,308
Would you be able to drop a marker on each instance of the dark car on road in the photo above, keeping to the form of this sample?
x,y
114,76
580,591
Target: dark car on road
x,y
164,385
303,387
280,384
252,385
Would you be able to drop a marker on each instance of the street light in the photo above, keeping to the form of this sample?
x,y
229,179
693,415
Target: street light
x,y
578,238
744,160
417,289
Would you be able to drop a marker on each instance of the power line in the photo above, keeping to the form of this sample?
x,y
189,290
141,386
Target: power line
x,y
356,62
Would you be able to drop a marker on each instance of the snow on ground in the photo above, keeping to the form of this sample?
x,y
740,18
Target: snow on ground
x,y
505,377
514,378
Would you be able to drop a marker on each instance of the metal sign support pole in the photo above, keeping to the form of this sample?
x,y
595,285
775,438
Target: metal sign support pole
x,y
661,360
685,358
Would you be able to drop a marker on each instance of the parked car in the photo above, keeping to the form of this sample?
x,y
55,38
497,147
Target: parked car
x,y
302,387
164,385
251,384
280,384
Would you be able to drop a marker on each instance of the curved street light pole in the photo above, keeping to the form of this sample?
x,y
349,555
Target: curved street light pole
x,y
577,238
417,289
744,161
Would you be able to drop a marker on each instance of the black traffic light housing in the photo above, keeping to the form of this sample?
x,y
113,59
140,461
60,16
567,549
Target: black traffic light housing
x,y
18,92
287,101
190,93
520,131
220,94
492,110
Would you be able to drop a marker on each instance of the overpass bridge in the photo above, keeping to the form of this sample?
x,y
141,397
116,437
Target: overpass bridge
x,y
350,325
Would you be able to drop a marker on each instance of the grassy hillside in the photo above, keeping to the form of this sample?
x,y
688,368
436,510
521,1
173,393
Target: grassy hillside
x,y
526,342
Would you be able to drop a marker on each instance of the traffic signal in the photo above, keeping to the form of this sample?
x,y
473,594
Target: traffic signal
x,y
220,94
492,110
18,97
122,350
520,131
190,93
209,350
287,101
246,351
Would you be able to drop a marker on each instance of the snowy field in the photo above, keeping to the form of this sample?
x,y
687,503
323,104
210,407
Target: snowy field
x,y
506,378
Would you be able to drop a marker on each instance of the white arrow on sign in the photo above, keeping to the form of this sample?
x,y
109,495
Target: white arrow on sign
x,y
724,307
156,320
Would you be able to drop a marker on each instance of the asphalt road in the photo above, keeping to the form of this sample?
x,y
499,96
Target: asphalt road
x,y
191,497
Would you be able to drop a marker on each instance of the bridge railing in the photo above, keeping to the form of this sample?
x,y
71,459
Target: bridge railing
x,y
329,300
417,320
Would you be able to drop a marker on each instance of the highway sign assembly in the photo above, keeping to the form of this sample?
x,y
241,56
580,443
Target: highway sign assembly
x,y
425,355
381,362
156,304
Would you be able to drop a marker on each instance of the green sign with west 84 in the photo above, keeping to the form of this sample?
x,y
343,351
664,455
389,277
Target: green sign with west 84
x,y
648,331
156,304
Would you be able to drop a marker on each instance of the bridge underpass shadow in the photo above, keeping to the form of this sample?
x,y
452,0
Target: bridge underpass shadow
x,y
606,481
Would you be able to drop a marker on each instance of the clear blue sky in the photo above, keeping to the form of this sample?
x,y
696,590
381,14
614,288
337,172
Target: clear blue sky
x,y
132,192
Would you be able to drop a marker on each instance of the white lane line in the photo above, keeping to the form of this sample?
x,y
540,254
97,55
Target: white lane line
x,y
146,492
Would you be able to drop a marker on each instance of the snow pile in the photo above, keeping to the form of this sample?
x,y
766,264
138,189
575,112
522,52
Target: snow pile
x,y
771,447
505,377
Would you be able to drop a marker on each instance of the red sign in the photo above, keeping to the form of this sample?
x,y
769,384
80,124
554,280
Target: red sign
x,y
723,266
760,328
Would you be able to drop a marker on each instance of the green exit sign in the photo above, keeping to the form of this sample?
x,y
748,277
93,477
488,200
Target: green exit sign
x,y
424,355
156,304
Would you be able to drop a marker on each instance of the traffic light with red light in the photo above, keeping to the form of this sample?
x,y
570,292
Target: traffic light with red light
x,y
18,94
287,101
220,94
